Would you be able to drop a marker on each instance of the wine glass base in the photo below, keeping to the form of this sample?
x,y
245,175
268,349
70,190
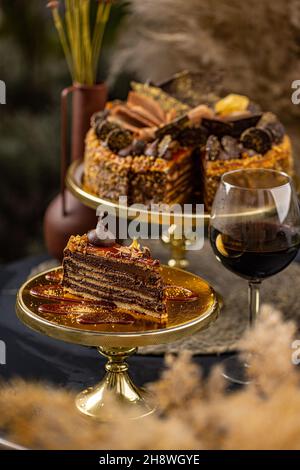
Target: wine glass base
x,y
236,371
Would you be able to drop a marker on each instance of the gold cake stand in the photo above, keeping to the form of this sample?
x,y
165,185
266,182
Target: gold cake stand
x,y
178,247
117,341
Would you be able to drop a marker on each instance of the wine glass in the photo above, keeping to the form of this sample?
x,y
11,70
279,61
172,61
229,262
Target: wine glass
x,y
255,233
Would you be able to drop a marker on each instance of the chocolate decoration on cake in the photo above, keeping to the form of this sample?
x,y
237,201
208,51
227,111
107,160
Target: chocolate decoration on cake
x,y
257,139
213,148
126,151
101,236
164,146
173,128
138,147
118,139
103,128
241,122
270,123
192,136
152,149
224,156
99,117
231,146
193,88
217,127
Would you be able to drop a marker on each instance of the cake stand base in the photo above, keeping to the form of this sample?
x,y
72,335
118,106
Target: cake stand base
x,y
116,386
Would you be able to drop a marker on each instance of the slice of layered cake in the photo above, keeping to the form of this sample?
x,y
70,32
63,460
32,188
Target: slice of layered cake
x,y
100,269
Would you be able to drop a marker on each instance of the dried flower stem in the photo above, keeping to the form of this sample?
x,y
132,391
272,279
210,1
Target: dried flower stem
x,y
62,36
101,20
86,35
82,50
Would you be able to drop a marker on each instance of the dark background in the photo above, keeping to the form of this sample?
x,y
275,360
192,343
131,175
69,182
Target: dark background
x,y
33,67
257,45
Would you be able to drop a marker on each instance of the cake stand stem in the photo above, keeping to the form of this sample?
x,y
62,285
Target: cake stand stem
x,y
115,386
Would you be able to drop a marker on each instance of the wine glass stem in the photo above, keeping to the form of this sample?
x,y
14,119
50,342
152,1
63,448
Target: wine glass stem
x,y
253,293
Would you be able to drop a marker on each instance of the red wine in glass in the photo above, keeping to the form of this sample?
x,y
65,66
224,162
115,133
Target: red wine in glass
x,y
254,232
273,251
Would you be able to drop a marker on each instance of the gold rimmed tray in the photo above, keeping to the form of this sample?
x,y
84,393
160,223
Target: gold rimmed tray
x,y
117,342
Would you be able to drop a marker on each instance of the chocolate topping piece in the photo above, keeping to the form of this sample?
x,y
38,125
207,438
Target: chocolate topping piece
x,y
173,128
192,88
217,127
138,147
213,148
241,122
192,136
257,139
98,117
270,123
231,146
118,139
164,146
103,128
126,151
101,237
152,149
224,156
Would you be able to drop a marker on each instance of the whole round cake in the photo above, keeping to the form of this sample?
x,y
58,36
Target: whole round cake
x,y
167,145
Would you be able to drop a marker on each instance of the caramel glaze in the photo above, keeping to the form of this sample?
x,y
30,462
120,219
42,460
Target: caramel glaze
x,y
86,314
119,252
180,294
55,276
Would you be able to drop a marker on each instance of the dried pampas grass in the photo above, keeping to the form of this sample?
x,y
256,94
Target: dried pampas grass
x,y
195,413
255,44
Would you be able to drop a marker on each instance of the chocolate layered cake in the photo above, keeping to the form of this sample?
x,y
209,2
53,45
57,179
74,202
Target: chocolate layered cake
x,y
128,277
169,144
143,148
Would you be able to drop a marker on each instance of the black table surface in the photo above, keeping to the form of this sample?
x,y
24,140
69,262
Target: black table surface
x,y
33,356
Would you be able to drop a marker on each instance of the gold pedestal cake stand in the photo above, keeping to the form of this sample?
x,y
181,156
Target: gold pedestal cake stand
x,y
118,341
178,246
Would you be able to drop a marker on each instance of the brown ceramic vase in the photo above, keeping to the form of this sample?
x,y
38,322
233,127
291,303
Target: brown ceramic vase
x,y
65,215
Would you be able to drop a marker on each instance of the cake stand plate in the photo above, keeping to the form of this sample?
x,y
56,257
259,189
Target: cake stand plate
x,y
118,341
74,184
